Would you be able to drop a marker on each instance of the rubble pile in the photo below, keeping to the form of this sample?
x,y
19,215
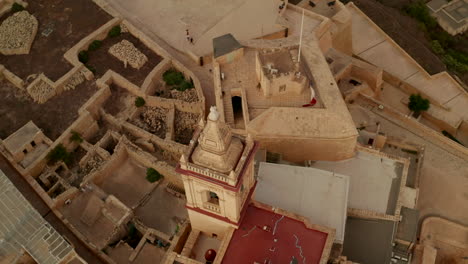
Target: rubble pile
x,y
126,52
153,119
41,91
74,81
189,96
17,33
185,124
92,165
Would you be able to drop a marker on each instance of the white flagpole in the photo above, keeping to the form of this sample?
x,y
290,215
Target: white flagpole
x,y
300,37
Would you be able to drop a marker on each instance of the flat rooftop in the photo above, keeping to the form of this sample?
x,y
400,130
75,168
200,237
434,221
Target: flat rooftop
x,y
280,60
319,195
368,241
16,141
374,181
251,243
331,121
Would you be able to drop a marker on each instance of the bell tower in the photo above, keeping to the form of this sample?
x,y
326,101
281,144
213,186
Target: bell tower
x,y
218,175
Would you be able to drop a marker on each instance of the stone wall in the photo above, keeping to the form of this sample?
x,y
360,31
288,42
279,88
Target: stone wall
x,y
11,77
300,149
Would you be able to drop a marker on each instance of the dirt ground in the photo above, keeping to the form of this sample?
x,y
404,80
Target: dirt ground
x,y
118,101
69,27
53,117
405,31
162,211
128,183
101,60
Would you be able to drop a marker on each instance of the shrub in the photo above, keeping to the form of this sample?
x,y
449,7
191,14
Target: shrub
x,y
91,68
437,48
454,64
115,31
16,7
59,153
420,12
153,175
76,137
417,103
445,39
96,44
184,86
173,77
460,56
83,56
139,102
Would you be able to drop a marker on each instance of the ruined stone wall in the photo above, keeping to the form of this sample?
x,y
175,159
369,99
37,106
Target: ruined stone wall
x,y
84,125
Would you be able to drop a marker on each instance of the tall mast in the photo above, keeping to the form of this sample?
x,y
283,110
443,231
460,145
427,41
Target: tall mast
x,y
300,37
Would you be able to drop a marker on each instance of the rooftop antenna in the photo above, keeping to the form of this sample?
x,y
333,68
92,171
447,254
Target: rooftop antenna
x,y
300,37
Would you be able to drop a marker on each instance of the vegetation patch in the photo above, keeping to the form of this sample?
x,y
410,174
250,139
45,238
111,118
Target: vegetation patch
x,y
59,153
76,137
83,56
153,175
176,80
442,43
96,44
139,102
115,31
417,103
16,7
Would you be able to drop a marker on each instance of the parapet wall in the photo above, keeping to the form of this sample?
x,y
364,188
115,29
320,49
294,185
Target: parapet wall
x,y
299,149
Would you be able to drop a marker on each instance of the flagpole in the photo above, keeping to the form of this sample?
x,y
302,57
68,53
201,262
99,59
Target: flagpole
x,y
300,37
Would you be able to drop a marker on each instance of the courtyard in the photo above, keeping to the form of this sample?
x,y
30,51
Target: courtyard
x,y
53,117
162,210
127,182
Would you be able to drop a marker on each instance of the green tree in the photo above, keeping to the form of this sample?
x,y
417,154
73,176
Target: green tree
x,y
153,175
173,77
417,103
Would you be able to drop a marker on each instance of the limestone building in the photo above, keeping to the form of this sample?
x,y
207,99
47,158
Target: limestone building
x,y
218,175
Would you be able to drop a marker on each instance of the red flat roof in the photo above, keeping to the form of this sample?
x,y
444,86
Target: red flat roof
x,y
251,243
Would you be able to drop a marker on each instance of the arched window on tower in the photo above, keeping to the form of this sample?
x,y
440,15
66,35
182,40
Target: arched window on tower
x,y
213,198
